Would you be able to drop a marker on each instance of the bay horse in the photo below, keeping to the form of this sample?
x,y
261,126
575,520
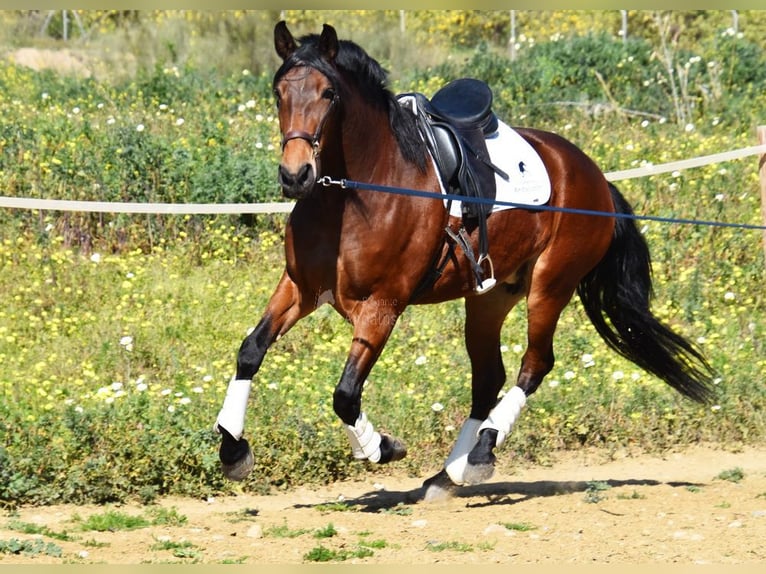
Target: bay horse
x,y
371,254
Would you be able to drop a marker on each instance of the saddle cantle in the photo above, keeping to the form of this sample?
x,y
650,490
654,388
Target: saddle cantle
x,y
467,102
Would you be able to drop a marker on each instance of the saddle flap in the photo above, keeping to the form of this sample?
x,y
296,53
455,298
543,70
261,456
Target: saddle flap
x,y
466,102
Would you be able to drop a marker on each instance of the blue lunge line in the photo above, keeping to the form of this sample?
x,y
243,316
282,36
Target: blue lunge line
x,y
350,184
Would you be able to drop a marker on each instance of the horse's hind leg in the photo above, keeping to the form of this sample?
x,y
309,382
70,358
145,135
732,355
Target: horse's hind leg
x,y
549,293
485,315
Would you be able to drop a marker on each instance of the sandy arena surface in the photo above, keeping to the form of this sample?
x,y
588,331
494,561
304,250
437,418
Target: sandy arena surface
x,y
581,509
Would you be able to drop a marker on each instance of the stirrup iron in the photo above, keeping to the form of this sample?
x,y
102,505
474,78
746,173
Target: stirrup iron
x,y
484,285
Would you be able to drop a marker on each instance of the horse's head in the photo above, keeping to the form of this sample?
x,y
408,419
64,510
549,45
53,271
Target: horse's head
x,y
306,99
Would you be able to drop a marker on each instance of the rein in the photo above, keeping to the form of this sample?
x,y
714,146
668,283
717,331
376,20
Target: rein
x,y
327,181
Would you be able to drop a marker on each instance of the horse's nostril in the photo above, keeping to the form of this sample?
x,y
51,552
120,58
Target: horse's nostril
x,y
305,175
296,184
285,177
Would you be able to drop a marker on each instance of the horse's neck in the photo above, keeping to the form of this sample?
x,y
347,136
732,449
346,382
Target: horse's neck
x,y
370,150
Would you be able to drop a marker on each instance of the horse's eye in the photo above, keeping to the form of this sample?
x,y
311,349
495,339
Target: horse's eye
x,y
329,94
277,98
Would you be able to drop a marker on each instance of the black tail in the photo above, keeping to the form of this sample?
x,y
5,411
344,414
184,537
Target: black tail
x,y
620,289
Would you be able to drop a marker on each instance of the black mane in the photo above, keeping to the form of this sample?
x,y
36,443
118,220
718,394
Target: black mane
x,y
370,79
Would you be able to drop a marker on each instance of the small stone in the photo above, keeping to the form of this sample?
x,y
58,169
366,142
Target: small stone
x,y
495,529
255,531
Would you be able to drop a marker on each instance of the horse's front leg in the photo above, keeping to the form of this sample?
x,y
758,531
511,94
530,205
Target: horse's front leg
x,y
373,322
285,308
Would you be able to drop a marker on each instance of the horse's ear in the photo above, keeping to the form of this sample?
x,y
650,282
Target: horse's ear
x,y
283,41
328,42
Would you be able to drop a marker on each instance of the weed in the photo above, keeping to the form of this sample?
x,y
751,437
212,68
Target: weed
x,y
693,488
111,521
30,528
324,554
171,545
283,531
456,546
191,553
519,526
635,495
399,510
166,517
361,552
114,520
244,515
327,532
338,506
594,491
377,544
320,554
93,543
34,547
732,475
240,560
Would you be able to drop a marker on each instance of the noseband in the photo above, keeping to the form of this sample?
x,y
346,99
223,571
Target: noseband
x,y
304,135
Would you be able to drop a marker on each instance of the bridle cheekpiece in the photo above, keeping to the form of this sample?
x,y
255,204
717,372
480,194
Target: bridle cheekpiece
x,y
314,138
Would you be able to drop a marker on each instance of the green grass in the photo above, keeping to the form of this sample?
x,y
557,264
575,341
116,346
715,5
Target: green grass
x,y
519,526
115,520
179,549
594,493
34,547
283,531
732,475
451,545
111,521
30,528
400,509
325,532
635,495
337,506
324,554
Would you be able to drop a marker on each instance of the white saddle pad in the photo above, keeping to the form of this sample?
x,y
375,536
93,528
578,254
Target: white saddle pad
x,y
528,182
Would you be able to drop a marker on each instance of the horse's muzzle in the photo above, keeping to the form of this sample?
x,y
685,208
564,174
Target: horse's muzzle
x,y
296,185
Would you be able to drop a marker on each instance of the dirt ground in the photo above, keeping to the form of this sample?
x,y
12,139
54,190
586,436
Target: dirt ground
x,y
582,509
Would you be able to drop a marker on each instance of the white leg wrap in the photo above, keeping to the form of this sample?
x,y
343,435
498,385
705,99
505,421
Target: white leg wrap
x,y
364,439
505,413
458,458
232,414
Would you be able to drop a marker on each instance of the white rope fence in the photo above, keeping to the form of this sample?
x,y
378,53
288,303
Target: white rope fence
x,y
286,207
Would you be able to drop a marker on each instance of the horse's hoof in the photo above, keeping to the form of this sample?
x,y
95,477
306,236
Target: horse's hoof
x,y
478,473
439,488
240,468
391,449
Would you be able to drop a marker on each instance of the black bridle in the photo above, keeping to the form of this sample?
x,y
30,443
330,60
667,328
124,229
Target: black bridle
x,y
314,138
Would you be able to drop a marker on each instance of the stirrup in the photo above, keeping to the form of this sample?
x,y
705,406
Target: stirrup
x,y
482,285
485,285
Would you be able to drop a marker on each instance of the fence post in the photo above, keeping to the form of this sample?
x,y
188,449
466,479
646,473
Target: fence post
x,y
762,170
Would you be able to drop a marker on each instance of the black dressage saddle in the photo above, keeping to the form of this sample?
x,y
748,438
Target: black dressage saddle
x,y
455,123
